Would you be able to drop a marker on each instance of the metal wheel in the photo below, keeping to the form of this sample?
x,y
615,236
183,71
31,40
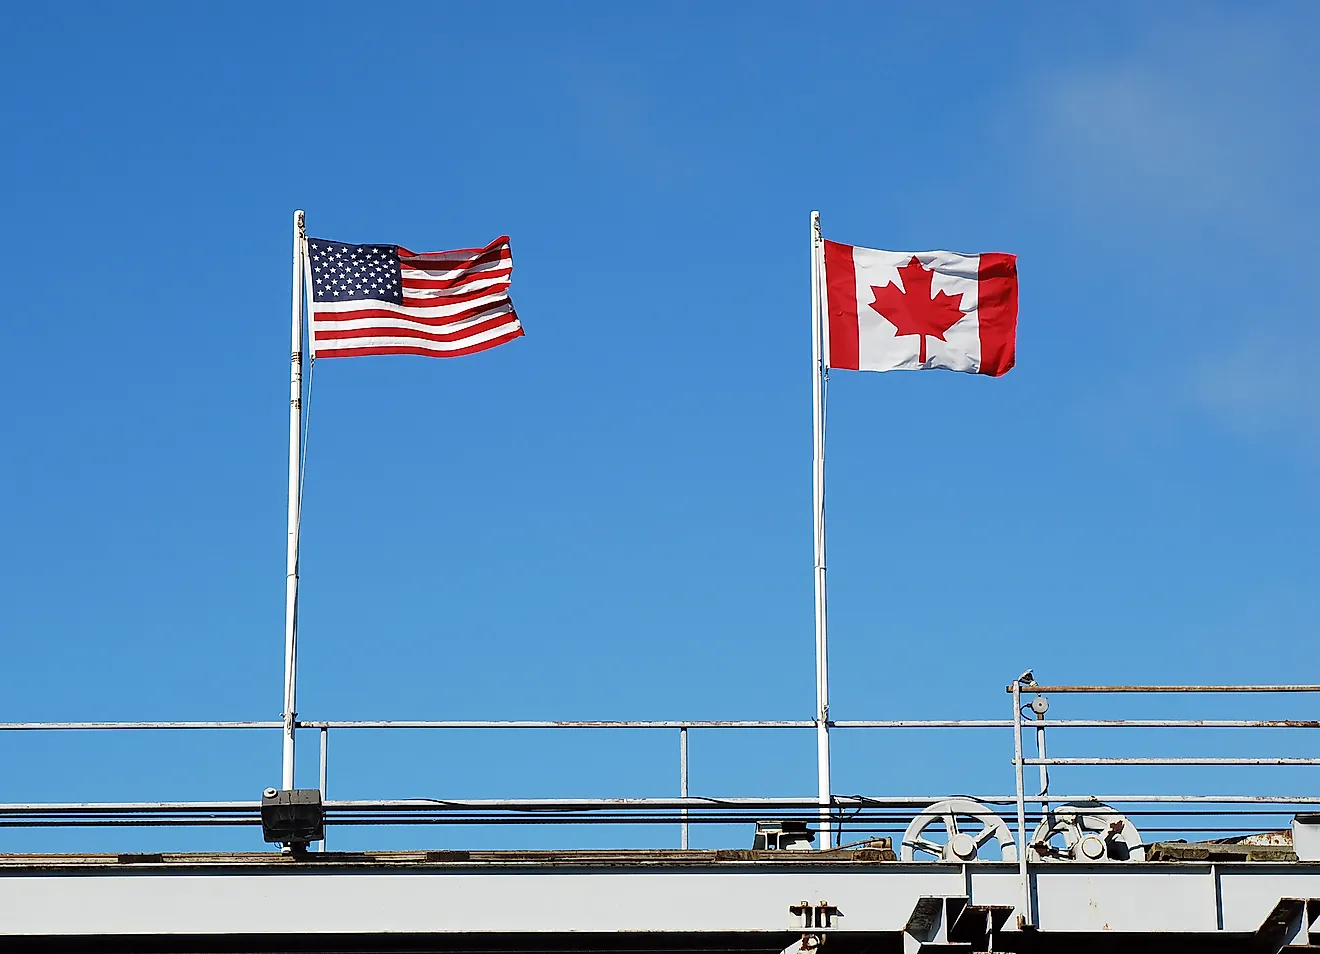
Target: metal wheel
x,y
1086,832
956,829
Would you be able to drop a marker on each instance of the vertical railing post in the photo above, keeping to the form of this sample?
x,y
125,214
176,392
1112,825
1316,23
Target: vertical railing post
x,y
683,779
1024,917
325,753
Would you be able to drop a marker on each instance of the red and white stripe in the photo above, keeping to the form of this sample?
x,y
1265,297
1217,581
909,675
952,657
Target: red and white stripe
x,y
454,303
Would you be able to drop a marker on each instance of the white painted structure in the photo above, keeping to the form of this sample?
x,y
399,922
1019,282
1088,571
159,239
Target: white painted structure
x,y
673,896
1009,872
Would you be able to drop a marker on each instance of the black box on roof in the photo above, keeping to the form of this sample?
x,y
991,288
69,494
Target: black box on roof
x,y
294,817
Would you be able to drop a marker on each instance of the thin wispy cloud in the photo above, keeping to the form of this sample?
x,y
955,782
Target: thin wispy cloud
x,y
1198,121
1190,151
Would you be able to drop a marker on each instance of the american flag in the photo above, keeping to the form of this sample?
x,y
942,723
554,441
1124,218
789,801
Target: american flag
x,y
384,299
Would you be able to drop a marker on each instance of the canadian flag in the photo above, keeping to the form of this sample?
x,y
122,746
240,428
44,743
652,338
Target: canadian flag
x,y
912,310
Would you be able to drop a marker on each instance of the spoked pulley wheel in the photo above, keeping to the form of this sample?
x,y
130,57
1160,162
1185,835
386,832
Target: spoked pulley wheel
x,y
957,829
1087,832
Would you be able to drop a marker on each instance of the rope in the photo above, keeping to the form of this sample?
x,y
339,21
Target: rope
x,y
306,429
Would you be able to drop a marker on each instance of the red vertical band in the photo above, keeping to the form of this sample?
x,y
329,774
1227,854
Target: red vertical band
x,y
996,311
841,306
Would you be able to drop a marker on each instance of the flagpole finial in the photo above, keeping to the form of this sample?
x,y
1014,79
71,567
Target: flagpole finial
x,y
300,222
815,224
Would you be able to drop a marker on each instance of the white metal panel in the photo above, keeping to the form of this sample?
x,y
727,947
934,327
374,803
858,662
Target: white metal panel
x,y
1124,899
297,899
534,901
1250,893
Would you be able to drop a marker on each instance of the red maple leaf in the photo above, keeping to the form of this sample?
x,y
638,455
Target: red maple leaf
x,y
914,311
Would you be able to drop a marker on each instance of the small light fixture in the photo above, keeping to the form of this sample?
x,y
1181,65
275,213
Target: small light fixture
x,y
292,818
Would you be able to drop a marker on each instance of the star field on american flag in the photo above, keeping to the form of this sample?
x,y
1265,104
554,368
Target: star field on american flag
x,y
342,272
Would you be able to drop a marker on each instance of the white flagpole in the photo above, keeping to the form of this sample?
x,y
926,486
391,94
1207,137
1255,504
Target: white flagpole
x,y
295,505
818,502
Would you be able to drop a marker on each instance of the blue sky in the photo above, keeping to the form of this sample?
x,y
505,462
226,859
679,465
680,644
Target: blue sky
x,y
610,518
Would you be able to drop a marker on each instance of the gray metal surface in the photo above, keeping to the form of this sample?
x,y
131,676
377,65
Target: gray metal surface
x,y
591,892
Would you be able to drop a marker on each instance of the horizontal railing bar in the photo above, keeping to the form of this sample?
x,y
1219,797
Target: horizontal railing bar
x,y
1170,724
1254,688
1056,799
665,724
83,726
1172,760
920,724
73,807
530,724
130,821
680,724
560,724
522,724
1075,724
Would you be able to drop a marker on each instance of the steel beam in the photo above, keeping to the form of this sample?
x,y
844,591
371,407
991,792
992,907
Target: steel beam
x,y
650,892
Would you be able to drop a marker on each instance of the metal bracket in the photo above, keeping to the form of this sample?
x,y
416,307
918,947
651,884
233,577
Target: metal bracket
x,y
817,916
1294,922
953,924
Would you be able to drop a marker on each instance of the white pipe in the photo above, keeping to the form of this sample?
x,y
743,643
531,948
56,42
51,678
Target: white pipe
x,y
683,781
1025,914
818,509
1040,750
295,504
325,768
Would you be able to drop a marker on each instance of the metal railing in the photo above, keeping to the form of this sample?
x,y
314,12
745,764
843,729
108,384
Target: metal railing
x,y
858,815
1197,806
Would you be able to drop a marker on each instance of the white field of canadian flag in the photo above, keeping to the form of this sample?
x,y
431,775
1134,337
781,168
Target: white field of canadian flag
x,y
890,311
